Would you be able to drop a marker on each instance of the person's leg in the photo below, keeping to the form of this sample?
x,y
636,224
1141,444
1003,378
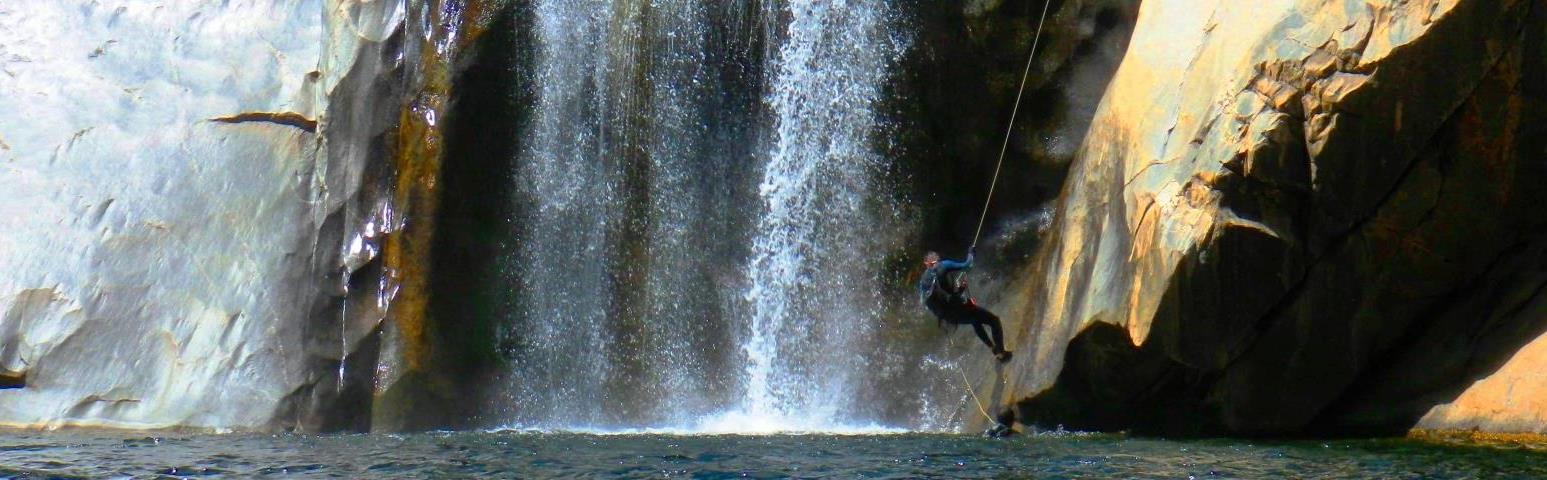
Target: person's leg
x,y
992,320
981,318
964,315
977,327
985,317
972,315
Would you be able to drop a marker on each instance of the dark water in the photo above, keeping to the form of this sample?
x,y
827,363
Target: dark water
x,y
532,455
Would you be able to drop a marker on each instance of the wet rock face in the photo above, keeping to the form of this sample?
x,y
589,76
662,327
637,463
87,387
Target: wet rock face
x,y
1297,217
954,93
172,213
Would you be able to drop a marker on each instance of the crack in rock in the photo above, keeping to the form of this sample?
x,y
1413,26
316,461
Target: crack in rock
x,y
289,119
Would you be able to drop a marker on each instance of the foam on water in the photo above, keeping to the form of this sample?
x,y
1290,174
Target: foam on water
x,y
737,424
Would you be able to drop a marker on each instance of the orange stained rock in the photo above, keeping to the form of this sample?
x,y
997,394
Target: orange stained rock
x,y
1534,441
1507,401
418,160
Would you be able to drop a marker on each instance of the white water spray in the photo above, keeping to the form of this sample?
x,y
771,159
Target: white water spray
x,y
635,308
817,233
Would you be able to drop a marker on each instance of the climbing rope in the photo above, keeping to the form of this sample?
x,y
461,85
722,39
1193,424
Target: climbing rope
x,y
1009,128
975,398
1004,147
951,344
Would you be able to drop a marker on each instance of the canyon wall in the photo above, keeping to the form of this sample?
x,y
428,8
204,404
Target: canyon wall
x,y
180,178
302,214
1286,217
1297,217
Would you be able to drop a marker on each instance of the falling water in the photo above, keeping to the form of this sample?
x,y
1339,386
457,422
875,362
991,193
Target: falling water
x,y
628,182
684,220
563,281
812,256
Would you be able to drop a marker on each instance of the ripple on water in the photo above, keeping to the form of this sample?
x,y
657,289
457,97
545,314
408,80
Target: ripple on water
x,y
291,469
25,473
30,447
192,471
547,455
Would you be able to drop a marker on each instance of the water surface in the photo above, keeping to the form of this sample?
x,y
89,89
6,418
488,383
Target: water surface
x,y
568,455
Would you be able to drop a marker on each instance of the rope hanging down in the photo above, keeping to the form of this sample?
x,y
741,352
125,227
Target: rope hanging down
x,y
1002,149
975,398
1009,128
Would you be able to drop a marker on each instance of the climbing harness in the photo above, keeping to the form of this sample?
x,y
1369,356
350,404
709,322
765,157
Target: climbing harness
x,y
1004,147
940,289
1010,128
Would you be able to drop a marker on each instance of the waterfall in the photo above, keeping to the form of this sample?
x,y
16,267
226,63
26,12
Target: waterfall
x,y
686,222
815,243
565,180
623,180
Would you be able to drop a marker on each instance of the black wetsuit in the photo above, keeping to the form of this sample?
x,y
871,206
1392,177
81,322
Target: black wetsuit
x,y
940,291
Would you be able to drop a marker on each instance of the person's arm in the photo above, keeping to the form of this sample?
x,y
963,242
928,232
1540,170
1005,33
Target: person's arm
x,y
926,282
948,266
952,265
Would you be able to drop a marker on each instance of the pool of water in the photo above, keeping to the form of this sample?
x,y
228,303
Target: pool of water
x,y
570,455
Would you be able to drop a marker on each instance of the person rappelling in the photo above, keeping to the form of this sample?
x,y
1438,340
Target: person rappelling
x,y
943,290
943,287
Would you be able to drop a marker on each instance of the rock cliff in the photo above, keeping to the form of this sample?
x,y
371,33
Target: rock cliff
x,y
186,191
1300,217
1287,216
955,91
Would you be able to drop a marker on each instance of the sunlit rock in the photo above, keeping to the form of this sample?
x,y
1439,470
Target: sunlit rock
x,y
162,226
1294,217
